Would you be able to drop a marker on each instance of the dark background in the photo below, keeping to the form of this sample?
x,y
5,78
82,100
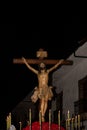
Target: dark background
x,y
18,40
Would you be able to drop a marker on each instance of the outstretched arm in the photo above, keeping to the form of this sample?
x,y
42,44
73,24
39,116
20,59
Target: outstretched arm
x,y
55,66
29,67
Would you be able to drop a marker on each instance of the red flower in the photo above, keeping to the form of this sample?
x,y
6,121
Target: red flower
x,y
45,126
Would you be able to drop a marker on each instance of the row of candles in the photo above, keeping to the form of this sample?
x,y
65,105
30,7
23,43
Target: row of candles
x,y
70,122
8,120
73,123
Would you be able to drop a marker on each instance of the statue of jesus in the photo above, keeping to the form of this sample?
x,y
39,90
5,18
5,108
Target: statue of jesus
x,y
42,91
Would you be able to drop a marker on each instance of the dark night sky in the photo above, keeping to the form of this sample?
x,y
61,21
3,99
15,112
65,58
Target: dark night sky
x,y
19,40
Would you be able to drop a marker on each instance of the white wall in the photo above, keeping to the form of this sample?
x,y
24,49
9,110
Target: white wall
x,y
66,78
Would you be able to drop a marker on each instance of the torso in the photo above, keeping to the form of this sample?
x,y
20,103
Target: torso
x,y
43,79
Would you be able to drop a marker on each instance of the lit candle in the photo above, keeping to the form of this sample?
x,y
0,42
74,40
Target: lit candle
x,y
30,117
49,116
68,115
9,120
28,123
49,119
72,123
66,124
76,122
40,117
68,118
59,119
20,125
79,121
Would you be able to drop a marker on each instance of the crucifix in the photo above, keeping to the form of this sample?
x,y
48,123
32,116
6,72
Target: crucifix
x,y
41,54
43,91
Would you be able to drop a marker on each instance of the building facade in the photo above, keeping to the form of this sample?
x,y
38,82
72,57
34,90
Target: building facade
x,y
71,87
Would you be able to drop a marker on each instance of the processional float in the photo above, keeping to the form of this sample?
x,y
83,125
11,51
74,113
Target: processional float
x,y
41,58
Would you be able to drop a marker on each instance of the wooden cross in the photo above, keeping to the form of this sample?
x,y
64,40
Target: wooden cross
x,y
41,54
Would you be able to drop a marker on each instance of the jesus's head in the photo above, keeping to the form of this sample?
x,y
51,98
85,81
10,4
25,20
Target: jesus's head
x,y
42,66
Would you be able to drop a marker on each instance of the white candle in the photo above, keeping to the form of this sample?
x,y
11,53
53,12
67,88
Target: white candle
x,y
78,121
7,122
49,119
68,118
66,124
72,123
30,117
9,119
20,125
49,116
40,117
59,119
68,115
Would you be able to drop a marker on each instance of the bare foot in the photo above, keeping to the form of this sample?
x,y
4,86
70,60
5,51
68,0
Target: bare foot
x,y
43,120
